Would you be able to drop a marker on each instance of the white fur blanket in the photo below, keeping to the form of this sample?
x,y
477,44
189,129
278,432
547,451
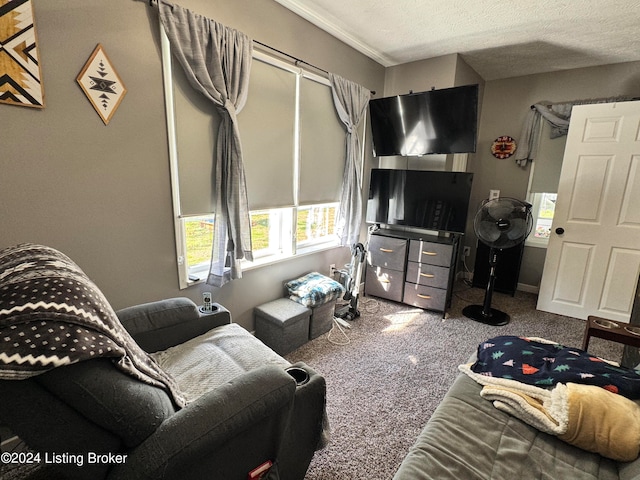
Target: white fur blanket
x,y
586,416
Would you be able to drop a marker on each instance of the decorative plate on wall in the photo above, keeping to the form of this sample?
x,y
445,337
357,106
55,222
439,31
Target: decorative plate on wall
x,y
503,147
101,84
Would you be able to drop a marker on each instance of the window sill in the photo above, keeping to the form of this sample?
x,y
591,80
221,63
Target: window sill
x,y
202,272
302,252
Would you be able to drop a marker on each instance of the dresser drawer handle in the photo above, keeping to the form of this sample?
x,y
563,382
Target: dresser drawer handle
x,y
428,275
433,254
384,280
386,250
426,297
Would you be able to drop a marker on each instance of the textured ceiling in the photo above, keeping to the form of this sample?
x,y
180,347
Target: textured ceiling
x,y
497,38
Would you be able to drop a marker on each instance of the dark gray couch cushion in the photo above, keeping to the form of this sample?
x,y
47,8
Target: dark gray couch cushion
x,y
47,424
154,315
162,324
128,408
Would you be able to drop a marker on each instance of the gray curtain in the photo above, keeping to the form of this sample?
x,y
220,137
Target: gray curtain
x,y
217,62
558,115
350,100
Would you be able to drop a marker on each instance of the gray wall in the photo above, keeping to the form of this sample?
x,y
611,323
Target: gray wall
x,y
101,194
505,104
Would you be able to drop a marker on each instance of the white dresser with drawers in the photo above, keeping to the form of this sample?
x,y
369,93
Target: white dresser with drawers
x,y
412,268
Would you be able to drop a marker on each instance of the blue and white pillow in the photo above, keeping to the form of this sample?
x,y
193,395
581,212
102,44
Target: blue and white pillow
x,y
314,289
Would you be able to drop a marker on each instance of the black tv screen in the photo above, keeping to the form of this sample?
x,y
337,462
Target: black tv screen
x,y
432,200
437,121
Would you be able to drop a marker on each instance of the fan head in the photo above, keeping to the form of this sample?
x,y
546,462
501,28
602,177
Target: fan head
x,y
503,222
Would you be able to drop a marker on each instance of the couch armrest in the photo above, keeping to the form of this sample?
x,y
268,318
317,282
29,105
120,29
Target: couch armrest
x,y
165,323
224,434
309,428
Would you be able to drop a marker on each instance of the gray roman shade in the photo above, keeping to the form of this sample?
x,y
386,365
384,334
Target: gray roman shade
x,y
321,145
196,123
267,126
548,163
268,130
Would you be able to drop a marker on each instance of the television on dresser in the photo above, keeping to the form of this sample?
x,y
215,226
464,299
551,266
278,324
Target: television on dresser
x,y
436,121
430,200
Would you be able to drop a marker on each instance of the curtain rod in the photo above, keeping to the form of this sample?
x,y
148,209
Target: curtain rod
x,y
297,60
589,101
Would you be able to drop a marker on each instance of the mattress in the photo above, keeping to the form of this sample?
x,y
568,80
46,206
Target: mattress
x,y
467,437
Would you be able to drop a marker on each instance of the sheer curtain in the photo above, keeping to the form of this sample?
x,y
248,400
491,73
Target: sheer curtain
x,y
351,102
217,62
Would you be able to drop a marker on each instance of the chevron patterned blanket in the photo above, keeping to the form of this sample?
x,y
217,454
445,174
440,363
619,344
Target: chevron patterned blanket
x,y
52,314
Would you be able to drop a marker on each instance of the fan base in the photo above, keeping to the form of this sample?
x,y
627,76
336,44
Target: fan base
x,y
496,318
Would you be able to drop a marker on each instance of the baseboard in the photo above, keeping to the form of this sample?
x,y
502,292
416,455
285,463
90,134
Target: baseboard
x,y
460,275
528,288
523,287
10,444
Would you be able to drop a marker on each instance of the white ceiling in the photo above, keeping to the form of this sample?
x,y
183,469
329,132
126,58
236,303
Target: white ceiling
x,y
497,38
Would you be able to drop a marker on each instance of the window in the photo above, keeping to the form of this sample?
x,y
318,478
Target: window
x,y
543,185
271,236
543,209
199,240
315,225
293,148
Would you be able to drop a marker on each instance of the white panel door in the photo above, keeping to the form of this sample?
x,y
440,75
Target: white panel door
x,y
593,257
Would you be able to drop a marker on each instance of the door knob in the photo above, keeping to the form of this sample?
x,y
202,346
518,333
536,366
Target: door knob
x,y
559,230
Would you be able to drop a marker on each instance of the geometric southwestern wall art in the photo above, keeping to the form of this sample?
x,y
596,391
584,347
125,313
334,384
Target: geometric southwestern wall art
x,y
20,76
101,84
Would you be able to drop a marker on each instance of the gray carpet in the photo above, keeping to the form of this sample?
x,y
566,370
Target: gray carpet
x,y
383,385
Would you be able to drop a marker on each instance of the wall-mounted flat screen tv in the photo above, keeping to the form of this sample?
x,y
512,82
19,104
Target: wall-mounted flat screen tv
x,y
436,121
431,200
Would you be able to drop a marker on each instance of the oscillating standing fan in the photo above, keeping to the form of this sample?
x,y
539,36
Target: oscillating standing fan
x,y
499,223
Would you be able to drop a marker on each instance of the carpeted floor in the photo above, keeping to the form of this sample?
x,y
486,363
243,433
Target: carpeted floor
x,y
383,385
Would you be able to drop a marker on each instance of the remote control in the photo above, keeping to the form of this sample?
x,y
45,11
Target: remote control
x,y
206,300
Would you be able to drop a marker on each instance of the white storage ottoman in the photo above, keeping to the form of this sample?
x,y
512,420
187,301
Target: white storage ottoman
x,y
282,324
